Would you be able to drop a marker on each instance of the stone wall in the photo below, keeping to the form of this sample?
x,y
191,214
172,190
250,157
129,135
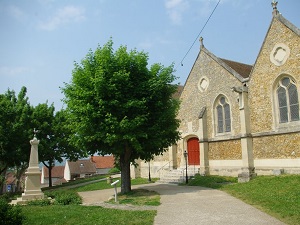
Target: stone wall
x,y
265,73
220,81
275,146
285,146
225,150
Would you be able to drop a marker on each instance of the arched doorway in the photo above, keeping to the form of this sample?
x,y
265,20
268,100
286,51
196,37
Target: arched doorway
x,y
193,151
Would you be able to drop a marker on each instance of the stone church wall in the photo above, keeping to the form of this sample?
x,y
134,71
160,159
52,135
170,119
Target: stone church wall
x,y
219,81
265,73
277,146
225,150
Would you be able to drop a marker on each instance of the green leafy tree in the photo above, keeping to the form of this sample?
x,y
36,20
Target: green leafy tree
x,y
43,117
15,131
117,105
53,134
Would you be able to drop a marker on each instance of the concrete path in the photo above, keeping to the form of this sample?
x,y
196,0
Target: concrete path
x,y
184,205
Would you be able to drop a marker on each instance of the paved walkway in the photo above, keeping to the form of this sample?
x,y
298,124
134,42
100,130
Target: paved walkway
x,y
184,205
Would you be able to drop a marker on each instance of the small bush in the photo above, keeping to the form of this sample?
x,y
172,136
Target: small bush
x,y
113,171
65,197
9,214
5,197
40,202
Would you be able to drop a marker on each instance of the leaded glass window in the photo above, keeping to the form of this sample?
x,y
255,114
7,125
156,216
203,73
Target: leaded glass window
x,y
288,103
223,115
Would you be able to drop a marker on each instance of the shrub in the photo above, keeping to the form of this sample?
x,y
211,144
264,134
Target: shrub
x,y
114,170
65,197
5,197
40,202
9,214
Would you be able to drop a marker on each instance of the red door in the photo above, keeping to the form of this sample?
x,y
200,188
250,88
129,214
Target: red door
x,y
193,151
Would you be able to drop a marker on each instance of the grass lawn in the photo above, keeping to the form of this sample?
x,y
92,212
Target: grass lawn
x,y
104,185
78,181
278,196
139,197
77,214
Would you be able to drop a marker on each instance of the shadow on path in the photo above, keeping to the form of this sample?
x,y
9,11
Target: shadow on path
x,y
184,205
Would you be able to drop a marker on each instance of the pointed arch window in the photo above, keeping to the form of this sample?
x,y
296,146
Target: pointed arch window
x,y
288,103
223,115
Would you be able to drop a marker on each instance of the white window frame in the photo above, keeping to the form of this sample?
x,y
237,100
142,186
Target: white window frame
x,y
217,103
290,125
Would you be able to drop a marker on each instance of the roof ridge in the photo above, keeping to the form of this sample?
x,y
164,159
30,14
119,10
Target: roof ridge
x,y
233,71
287,23
235,61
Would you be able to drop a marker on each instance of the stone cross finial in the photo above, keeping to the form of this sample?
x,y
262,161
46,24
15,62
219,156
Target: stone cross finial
x,y
35,132
201,42
274,5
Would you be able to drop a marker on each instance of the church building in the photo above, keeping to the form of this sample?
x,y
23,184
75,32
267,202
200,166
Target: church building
x,y
237,119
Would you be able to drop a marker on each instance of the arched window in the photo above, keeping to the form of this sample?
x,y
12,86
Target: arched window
x,y
288,103
223,115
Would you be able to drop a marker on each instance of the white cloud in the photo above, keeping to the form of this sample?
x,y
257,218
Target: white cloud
x,y
65,15
16,12
175,9
13,71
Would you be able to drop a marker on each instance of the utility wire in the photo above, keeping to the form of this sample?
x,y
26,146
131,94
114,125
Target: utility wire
x,y
199,33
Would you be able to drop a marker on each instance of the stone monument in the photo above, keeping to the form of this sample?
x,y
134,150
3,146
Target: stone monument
x,y
33,175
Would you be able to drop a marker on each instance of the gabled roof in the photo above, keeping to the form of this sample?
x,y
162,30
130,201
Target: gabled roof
x,y
239,70
103,162
243,69
83,166
285,22
56,171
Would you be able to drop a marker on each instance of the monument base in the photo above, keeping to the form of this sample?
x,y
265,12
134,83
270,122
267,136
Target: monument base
x,y
28,196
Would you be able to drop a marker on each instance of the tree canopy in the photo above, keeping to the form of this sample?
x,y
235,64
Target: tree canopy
x,y
117,105
17,121
15,131
53,134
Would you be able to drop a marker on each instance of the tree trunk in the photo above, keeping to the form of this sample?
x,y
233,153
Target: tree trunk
x,y
2,179
125,170
50,173
49,167
19,173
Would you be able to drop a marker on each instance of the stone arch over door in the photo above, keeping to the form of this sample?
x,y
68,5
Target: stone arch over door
x,y
193,149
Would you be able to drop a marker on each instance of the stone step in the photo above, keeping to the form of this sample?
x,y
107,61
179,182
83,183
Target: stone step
x,y
175,176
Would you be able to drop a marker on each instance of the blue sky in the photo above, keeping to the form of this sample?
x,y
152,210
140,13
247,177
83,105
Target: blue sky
x,y
41,39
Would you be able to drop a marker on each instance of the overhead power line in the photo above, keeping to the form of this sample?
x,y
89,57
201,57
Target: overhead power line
x,y
181,63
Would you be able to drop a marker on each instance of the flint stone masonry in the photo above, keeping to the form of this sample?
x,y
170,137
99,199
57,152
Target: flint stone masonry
x,y
265,74
256,136
192,99
228,150
277,147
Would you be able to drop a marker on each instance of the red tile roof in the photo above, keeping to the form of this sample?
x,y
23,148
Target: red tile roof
x,y
243,69
103,162
10,178
56,171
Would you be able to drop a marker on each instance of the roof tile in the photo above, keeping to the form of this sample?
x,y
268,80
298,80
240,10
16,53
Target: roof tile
x,y
103,162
